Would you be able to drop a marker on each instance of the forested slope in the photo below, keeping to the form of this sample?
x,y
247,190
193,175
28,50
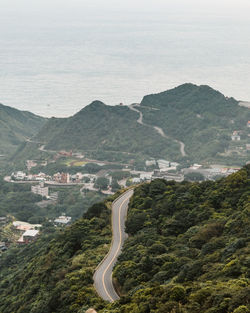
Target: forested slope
x,y
187,252
200,116
188,249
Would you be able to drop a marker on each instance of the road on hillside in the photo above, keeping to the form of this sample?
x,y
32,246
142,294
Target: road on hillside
x,y
158,129
103,275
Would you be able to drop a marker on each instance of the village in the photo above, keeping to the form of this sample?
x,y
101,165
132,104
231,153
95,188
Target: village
x,y
105,182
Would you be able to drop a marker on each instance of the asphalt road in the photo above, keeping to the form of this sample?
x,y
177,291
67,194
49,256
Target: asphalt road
x,y
103,275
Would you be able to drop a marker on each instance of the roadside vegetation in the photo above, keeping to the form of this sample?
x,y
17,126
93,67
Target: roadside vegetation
x,y
187,252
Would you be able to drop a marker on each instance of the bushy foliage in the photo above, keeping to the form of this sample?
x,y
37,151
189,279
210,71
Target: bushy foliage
x,y
191,241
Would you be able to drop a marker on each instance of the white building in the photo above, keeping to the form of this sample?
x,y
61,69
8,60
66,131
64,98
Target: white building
x,y
146,176
235,136
19,175
28,236
63,220
136,180
163,164
150,162
40,190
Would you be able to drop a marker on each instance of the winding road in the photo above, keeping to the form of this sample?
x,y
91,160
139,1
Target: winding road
x,y
103,275
158,129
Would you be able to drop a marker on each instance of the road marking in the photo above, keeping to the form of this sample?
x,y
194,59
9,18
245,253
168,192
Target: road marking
x,y
120,231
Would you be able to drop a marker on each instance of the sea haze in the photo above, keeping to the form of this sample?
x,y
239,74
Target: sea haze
x,y
55,61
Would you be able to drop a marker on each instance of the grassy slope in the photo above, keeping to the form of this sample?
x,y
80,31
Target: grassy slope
x,y
197,115
101,127
16,126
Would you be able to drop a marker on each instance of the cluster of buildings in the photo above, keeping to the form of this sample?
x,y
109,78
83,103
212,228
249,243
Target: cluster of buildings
x,y
162,164
211,173
30,231
57,178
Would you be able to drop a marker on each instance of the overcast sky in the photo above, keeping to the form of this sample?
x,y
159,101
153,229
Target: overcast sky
x,y
223,6
54,52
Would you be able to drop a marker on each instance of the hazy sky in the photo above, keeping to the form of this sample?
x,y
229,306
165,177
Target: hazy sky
x,y
56,52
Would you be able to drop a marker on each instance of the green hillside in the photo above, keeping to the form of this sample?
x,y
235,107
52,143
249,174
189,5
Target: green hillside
x,y
99,128
201,117
15,127
187,252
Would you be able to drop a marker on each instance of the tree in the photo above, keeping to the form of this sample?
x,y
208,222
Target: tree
x,y
194,176
101,183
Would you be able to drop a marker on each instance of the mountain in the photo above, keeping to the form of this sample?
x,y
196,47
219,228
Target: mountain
x,y
100,128
201,117
188,122
187,252
15,127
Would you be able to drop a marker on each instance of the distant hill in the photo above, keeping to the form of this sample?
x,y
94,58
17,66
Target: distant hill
x,y
16,126
188,252
198,116
105,129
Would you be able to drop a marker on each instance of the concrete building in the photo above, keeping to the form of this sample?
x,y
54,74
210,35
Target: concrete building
x,y
235,136
28,236
19,175
40,190
63,220
163,164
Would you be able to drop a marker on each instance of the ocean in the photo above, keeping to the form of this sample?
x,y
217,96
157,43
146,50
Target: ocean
x,y
55,65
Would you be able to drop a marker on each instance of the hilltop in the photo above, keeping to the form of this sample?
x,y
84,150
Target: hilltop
x,y
203,118
99,128
199,118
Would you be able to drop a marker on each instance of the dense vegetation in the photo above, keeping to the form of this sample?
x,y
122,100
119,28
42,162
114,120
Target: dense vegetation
x,y
188,251
106,129
15,127
17,200
200,117
197,115
54,274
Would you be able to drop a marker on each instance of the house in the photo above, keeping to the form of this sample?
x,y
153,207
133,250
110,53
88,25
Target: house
x,y
63,220
28,236
19,175
235,136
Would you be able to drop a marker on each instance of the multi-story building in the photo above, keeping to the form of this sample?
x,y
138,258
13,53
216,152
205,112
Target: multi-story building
x,y
40,190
